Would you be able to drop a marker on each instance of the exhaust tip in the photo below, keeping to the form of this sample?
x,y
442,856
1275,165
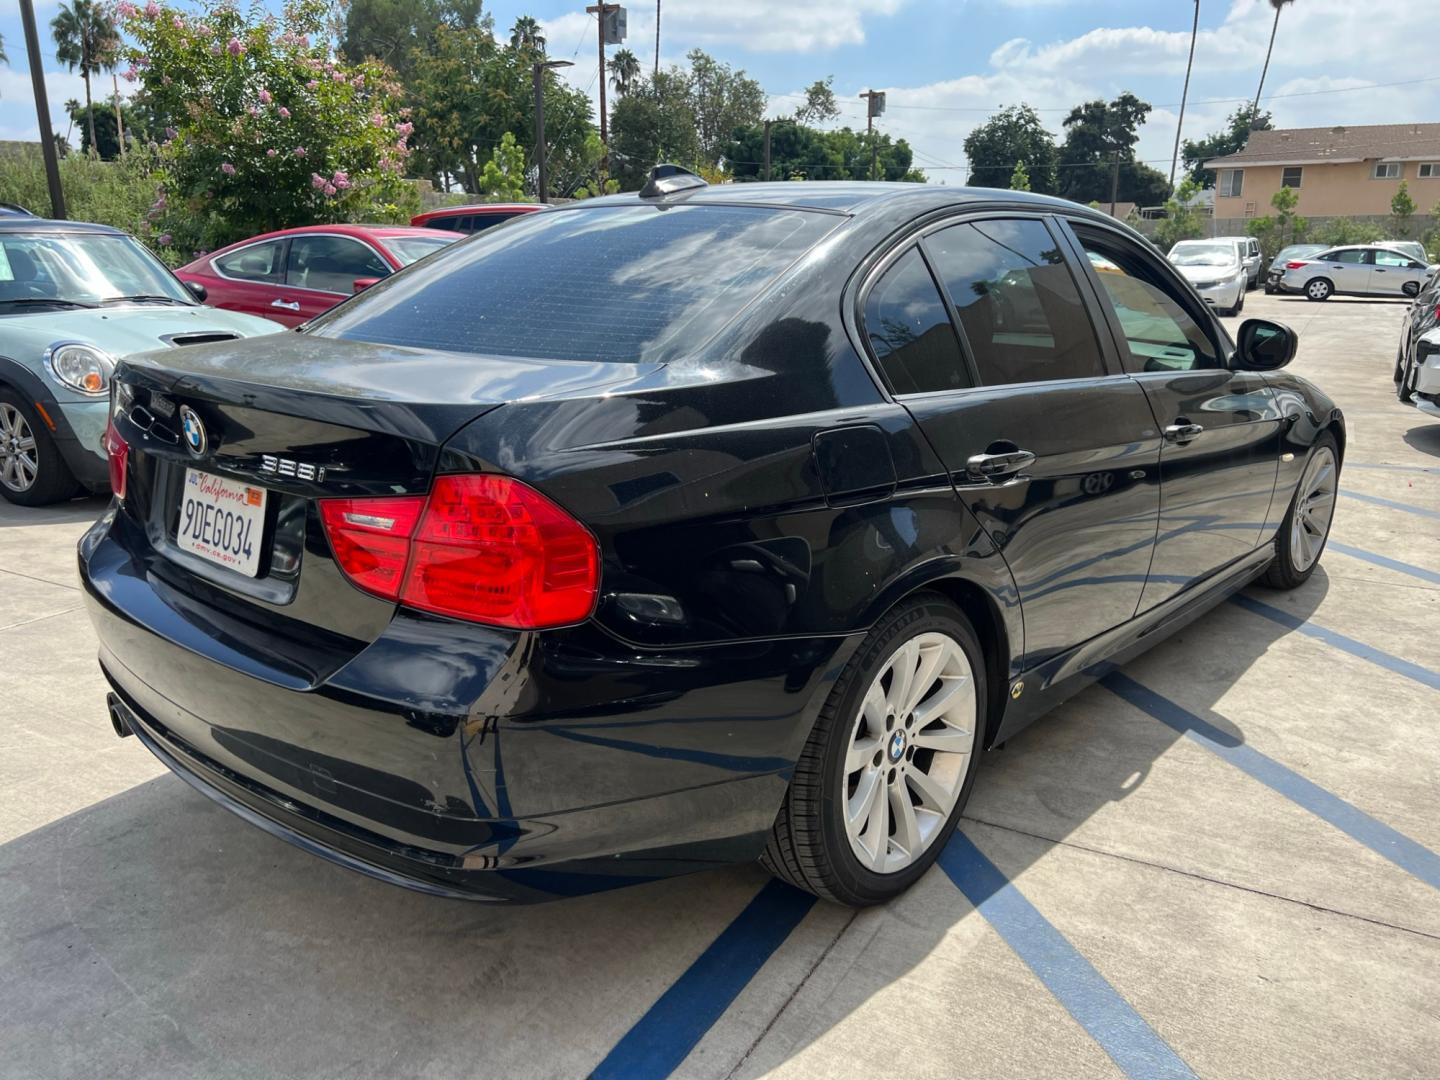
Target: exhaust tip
x,y
119,719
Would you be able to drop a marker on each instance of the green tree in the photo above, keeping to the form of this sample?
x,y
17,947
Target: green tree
x,y
268,129
118,193
721,100
1011,135
1181,220
1098,134
394,31
624,71
1340,230
503,179
1229,140
800,152
107,135
1431,239
1402,209
819,105
1020,178
86,40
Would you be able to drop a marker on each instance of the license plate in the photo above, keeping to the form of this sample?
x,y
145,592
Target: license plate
x,y
222,521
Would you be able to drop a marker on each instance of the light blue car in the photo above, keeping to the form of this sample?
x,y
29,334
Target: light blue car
x,y
74,300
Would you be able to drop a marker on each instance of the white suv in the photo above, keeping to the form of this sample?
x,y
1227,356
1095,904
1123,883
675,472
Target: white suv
x,y
1249,249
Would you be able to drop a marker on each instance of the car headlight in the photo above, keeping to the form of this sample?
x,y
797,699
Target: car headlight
x,y
81,367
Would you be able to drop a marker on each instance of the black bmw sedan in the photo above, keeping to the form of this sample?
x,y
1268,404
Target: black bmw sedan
x,y
664,531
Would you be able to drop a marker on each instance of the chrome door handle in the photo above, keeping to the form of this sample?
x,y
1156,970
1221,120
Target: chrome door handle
x,y
995,467
288,305
1183,431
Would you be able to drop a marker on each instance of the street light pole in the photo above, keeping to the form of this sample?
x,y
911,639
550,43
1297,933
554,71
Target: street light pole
x,y
538,75
42,110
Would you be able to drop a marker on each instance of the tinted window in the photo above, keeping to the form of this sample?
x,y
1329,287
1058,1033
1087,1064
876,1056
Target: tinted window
x,y
331,263
603,283
258,262
1352,255
486,221
910,331
1160,332
1019,308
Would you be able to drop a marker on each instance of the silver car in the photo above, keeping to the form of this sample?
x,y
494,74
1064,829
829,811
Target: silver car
x,y
1355,270
1215,269
1248,248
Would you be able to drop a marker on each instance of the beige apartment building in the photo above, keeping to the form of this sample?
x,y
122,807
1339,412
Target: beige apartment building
x,y
1335,171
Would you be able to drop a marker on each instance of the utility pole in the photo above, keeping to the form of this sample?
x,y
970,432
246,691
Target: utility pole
x,y
874,106
767,148
119,123
600,11
42,110
537,74
1114,180
1185,93
657,36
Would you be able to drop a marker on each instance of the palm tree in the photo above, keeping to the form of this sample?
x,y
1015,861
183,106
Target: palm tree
x,y
526,34
624,70
1277,5
1185,93
3,58
71,108
86,38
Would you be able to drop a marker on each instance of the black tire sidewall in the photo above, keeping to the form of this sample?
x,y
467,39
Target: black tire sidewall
x,y
53,480
925,614
1282,573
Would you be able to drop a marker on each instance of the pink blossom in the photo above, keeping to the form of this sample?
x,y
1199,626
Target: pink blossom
x,y
341,179
317,181
125,9
377,119
227,168
405,129
304,41
164,239
170,133
311,85
299,151
152,9
337,76
130,73
215,49
358,81
253,110
179,23
271,152
235,47
203,29
329,189
284,113
265,97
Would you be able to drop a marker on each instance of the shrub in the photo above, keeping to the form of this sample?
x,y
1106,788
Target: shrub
x,y
1339,231
114,193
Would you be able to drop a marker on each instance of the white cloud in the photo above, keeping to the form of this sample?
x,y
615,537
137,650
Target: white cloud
x,y
17,102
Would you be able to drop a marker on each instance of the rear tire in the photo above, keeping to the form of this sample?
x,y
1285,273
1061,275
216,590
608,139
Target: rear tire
x,y
1402,391
1302,536
32,472
831,838
1319,289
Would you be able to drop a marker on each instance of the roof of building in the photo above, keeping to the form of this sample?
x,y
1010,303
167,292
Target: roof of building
x,y
1325,145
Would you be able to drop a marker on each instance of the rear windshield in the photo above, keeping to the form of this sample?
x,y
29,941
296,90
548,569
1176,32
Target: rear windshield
x,y
617,284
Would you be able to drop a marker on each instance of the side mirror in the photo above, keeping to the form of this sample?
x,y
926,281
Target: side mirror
x,y
1265,345
360,284
198,291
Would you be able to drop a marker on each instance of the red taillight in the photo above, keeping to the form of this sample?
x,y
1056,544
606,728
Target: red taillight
x,y
117,452
1295,264
481,547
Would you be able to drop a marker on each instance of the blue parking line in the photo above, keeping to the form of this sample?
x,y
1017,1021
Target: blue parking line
x,y
1410,856
661,1039
1086,995
1423,511
1385,561
1423,675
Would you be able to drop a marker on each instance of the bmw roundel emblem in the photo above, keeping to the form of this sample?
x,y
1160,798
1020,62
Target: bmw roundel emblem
x,y
194,431
897,746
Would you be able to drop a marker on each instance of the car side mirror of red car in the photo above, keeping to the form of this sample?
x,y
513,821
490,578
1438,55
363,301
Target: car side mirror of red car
x,y
1264,346
360,284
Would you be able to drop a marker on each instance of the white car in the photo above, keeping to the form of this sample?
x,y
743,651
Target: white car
x,y
1248,248
1355,270
1425,379
1216,270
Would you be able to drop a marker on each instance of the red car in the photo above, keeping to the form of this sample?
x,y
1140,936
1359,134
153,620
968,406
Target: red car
x,y
471,219
295,274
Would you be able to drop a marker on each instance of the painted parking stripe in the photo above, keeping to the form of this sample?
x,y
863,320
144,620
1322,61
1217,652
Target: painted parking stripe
x,y
1086,994
661,1039
1409,508
1412,857
1385,561
1423,675
1395,468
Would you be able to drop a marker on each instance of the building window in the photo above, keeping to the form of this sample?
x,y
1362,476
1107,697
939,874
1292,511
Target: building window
x,y
1387,170
1290,176
1429,170
1231,181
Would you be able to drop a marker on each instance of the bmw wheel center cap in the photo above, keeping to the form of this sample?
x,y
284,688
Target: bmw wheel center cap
x,y
897,745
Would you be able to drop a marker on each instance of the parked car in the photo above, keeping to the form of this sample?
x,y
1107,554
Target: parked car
x,y
1355,270
1248,248
75,299
568,558
1413,248
473,219
1216,270
1422,317
1285,255
1419,383
294,274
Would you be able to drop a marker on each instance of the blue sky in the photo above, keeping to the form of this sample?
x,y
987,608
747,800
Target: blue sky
x,y
947,65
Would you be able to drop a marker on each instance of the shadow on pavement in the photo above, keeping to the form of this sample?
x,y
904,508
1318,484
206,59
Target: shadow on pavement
x,y
81,511
1425,438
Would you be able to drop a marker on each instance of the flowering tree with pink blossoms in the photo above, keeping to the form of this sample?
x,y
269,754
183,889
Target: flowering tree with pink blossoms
x,y
268,129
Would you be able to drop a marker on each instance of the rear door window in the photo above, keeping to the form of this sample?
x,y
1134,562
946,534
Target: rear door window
x,y
258,262
910,332
609,283
1020,309
331,263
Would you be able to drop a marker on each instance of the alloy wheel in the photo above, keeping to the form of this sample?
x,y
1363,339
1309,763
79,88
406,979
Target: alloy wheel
x,y
1314,507
19,459
909,750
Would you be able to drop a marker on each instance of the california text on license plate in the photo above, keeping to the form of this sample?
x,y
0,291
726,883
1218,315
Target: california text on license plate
x,y
222,520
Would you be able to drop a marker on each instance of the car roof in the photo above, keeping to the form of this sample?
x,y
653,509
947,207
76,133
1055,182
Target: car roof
x,y
27,224
483,208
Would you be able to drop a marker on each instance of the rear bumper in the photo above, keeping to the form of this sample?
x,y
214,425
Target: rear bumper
x,y
464,761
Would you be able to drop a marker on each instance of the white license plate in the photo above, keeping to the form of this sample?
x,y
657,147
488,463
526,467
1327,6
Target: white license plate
x,y
222,521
